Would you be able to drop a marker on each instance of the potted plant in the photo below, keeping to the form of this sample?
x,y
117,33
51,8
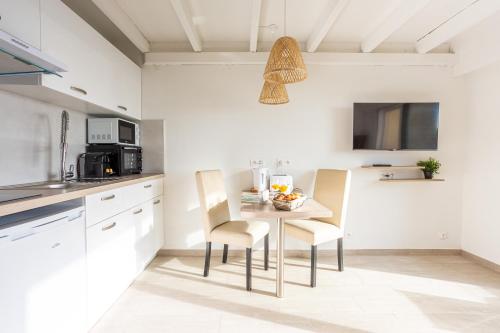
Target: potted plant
x,y
430,167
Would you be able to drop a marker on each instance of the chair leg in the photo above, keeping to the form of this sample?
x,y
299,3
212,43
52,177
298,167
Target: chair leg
x,y
340,254
266,252
208,252
314,264
224,254
249,269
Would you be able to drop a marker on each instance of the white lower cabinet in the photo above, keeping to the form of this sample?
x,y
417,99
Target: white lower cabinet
x,y
158,222
120,247
109,268
42,279
143,224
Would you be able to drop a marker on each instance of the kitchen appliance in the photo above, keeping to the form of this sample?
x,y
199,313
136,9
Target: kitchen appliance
x,y
396,126
112,130
42,255
20,58
105,161
260,178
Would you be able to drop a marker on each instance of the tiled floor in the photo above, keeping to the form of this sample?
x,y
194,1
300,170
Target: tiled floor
x,y
374,294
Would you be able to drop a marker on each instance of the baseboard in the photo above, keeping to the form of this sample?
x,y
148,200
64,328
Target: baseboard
x,y
481,261
306,253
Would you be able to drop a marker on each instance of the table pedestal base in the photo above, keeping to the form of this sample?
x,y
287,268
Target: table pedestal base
x,y
280,258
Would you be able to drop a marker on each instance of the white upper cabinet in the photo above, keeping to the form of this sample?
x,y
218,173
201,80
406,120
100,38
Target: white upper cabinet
x,y
21,19
98,73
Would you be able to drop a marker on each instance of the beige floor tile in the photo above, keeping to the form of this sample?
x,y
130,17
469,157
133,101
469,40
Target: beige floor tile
x,y
420,293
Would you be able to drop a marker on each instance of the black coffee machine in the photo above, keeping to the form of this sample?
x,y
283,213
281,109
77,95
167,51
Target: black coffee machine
x,y
109,160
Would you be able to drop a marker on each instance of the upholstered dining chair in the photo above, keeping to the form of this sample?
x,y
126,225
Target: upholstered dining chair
x,y
219,227
331,189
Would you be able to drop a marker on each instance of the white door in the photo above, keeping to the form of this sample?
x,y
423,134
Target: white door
x,y
21,19
42,284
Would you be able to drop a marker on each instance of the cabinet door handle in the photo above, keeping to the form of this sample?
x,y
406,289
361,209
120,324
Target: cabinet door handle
x,y
156,202
109,197
80,90
111,226
44,224
56,245
19,43
80,214
147,186
122,107
138,211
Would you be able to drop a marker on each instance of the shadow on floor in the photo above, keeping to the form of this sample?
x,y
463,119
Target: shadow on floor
x,y
269,315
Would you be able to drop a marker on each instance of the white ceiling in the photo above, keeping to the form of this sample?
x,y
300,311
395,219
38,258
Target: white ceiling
x,y
225,24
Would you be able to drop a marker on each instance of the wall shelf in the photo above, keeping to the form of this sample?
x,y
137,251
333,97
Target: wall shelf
x,y
412,180
393,167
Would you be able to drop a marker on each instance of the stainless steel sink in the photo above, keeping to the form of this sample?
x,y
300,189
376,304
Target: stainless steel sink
x,y
54,185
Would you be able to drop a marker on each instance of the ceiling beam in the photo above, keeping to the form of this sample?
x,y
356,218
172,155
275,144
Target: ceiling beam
x,y
317,58
471,15
254,24
398,17
185,17
331,15
119,18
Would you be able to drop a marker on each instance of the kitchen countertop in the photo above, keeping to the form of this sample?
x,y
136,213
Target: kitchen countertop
x,y
52,196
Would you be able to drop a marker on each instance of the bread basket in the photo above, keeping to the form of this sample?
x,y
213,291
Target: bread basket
x,y
289,205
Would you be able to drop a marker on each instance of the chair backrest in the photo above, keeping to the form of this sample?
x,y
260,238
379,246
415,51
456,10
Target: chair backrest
x,y
213,200
331,189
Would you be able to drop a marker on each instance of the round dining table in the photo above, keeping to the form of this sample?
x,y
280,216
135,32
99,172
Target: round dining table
x,y
310,209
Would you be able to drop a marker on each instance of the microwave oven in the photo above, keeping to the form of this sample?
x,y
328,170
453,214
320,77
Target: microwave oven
x,y
112,131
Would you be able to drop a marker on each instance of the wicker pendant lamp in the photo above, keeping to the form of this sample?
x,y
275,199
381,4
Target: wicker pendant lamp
x,y
273,93
285,64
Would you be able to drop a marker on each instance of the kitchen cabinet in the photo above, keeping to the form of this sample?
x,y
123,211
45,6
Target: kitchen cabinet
x,y
98,73
43,285
103,205
110,263
21,19
158,228
143,224
99,78
124,233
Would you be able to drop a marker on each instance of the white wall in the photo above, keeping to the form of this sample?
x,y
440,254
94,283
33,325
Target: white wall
x,y
213,120
30,136
481,215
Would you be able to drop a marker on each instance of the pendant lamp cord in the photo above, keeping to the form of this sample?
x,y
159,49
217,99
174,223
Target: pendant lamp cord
x,y
284,17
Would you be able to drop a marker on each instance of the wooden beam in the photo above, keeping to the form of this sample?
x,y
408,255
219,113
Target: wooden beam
x,y
399,16
463,20
183,13
330,16
317,58
254,24
116,14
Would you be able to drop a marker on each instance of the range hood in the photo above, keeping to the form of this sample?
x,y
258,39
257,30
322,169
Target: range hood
x,y
20,58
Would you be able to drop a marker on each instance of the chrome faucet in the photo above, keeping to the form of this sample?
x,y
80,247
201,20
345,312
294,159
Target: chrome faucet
x,y
63,145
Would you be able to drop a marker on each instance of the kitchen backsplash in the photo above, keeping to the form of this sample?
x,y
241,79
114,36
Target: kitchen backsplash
x,y
30,135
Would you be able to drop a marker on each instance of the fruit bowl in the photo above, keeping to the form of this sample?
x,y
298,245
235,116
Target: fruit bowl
x,y
288,201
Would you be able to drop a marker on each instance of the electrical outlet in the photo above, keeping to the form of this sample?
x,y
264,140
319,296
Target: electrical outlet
x,y
348,235
443,236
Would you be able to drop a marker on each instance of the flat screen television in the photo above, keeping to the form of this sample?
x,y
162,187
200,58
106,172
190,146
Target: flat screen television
x,y
396,126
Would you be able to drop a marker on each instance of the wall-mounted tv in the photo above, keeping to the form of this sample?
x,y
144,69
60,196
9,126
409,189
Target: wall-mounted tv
x,y
396,126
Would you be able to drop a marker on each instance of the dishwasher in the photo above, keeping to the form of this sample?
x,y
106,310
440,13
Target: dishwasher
x,y
42,270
